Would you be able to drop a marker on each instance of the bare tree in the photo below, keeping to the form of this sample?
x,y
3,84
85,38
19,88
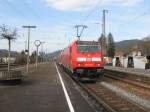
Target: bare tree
x,y
9,34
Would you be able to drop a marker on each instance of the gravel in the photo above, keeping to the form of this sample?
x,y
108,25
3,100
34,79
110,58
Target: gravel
x,y
127,95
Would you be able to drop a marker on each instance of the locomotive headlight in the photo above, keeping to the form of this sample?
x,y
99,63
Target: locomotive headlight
x,y
96,59
98,64
81,59
79,64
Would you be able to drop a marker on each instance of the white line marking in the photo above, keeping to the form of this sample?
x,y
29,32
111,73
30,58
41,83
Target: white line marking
x,y
65,91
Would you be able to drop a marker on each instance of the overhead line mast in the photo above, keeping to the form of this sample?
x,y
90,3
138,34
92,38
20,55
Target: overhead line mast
x,y
104,39
104,22
29,28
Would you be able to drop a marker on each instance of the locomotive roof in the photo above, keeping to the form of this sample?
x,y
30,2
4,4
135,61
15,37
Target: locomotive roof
x,y
82,42
85,42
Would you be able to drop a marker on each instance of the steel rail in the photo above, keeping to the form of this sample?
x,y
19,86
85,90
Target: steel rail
x,y
138,84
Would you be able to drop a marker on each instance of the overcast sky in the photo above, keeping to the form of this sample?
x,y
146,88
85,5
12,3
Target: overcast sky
x,y
55,19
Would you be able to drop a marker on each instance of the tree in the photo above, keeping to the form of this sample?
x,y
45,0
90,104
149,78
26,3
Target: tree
x,y
103,43
33,57
23,53
21,58
8,34
111,46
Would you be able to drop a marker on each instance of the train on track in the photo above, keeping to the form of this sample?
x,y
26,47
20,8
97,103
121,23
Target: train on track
x,y
83,58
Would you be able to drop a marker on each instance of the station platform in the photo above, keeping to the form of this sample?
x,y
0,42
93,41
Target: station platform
x,y
45,90
140,72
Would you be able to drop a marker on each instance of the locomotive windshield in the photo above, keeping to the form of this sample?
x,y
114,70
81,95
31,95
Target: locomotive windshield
x,y
88,46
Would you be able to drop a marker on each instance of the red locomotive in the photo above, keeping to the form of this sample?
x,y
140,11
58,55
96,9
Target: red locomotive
x,y
83,59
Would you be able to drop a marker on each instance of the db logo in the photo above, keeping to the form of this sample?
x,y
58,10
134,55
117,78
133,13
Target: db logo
x,y
89,59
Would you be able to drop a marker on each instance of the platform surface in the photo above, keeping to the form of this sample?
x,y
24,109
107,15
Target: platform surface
x,y
42,91
130,70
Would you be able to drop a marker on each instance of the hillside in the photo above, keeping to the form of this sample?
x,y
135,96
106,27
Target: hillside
x,y
53,54
4,52
125,45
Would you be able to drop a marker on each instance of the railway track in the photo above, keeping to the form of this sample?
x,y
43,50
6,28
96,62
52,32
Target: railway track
x,y
133,78
136,81
108,100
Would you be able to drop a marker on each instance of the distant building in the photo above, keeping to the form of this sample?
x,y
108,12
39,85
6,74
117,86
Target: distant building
x,y
1,60
4,56
5,59
136,53
145,52
12,60
119,53
139,51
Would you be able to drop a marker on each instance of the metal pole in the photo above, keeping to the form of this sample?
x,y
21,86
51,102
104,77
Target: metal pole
x,y
28,50
104,45
104,22
37,44
9,56
28,55
25,47
42,51
37,56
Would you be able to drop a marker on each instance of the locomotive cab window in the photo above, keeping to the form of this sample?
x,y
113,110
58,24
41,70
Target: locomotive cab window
x,y
88,47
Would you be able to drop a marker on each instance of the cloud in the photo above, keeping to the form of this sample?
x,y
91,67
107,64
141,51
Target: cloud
x,y
78,5
71,4
122,2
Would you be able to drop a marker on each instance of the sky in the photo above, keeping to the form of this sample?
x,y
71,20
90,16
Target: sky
x,y
55,20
